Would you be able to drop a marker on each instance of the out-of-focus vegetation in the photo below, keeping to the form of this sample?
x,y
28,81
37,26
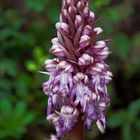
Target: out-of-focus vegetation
x,y
26,28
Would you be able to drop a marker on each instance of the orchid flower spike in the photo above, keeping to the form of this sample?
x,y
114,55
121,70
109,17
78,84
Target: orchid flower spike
x,y
78,74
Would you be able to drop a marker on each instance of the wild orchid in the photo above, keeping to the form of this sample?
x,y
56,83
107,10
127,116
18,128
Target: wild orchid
x,y
76,88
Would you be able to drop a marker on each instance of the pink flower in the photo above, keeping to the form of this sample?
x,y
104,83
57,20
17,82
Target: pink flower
x,y
78,74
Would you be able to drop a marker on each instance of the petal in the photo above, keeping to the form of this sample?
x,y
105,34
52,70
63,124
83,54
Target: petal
x,y
99,125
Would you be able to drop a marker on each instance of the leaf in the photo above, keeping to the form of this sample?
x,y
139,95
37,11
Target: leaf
x,y
31,66
134,110
117,119
112,14
121,45
4,87
137,123
126,132
19,109
100,3
36,5
38,53
21,88
28,118
53,14
136,40
16,120
128,10
5,106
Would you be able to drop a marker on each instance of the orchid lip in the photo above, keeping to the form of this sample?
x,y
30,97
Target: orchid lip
x,y
100,126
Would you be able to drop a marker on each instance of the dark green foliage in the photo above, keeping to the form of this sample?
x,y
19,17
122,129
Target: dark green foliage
x,y
26,28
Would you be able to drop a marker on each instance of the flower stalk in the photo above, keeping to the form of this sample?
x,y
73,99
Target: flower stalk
x,y
78,75
77,133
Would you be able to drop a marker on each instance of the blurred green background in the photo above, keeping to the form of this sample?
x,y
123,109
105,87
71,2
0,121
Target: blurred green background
x,y
26,28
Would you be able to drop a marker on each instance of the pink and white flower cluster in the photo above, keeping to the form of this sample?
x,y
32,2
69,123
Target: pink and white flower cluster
x,y
78,74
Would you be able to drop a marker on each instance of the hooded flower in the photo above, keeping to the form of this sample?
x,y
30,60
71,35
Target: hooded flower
x,y
78,75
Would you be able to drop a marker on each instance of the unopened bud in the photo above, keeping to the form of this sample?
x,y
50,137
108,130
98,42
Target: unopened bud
x,y
64,15
87,30
68,2
98,30
100,44
65,66
55,41
91,18
100,65
63,28
50,65
103,53
62,65
78,21
56,50
86,11
85,59
72,10
80,5
84,41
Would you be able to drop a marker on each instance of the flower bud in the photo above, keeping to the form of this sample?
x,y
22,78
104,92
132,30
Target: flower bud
x,y
80,5
98,30
63,28
87,30
64,15
97,68
99,65
50,65
84,41
55,41
100,44
62,65
86,12
65,66
103,53
68,2
72,11
91,18
85,59
56,50
98,47
78,21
